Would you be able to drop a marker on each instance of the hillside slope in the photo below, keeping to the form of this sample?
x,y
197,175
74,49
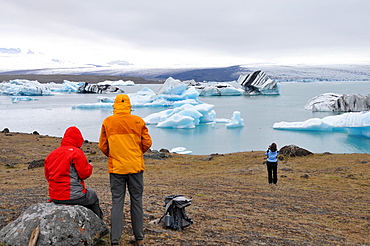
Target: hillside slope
x,y
321,199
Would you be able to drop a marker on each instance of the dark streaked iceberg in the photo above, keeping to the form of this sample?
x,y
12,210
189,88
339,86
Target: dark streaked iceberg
x,y
339,103
257,83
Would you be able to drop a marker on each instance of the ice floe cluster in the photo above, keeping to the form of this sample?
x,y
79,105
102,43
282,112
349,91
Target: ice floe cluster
x,y
21,87
185,109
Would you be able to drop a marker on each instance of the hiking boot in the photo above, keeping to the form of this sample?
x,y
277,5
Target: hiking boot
x,y
136,242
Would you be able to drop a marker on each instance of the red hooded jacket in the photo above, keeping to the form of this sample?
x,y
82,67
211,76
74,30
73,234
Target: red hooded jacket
x,y
66,167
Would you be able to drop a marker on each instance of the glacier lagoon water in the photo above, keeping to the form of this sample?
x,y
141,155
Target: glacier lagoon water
x,y
51,115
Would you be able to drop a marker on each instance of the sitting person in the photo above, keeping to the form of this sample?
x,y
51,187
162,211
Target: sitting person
x,y
66,168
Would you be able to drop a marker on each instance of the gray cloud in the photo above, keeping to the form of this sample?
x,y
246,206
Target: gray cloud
x,y
240,28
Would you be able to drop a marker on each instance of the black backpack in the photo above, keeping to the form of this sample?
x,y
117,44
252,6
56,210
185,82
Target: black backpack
x,y
174,215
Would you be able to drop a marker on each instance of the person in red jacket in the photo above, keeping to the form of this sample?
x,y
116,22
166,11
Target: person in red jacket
x,y
66,168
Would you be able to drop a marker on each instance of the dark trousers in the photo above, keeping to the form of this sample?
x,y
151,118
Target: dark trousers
x,y
89,200
135,186
272,172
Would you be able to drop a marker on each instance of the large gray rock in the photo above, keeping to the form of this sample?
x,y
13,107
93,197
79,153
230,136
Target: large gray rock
x,y
294,150
59,225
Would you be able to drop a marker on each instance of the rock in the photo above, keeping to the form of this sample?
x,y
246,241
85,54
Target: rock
x,y
35,164
305,176
35,133
59,225
208,158
6,130
293,151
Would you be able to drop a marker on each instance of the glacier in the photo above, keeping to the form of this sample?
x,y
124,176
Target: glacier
x,y
339,103
354,123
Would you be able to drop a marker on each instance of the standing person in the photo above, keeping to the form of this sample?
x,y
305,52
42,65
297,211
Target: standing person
x,y
124,138
66,168
272,163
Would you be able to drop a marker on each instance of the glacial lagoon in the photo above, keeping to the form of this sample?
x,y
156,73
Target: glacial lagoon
x,y
51,115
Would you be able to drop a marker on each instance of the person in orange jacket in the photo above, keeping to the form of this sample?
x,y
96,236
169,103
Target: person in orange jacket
x,y
66,168
124,139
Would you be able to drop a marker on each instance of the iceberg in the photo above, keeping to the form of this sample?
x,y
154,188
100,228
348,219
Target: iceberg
x,y
23,87
350,123
186,116
257,83
339,103
117,83
181,150
218,89
189,116
22,99
236,121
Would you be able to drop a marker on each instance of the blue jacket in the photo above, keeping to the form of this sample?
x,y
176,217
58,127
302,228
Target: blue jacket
x,y
272,156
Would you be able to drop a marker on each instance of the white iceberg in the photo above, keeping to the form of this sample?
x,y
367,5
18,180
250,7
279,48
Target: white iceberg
x,y
118,83
218,89
181,150
23,87
186,116
236,121
339,103
173,87
22,99
350,123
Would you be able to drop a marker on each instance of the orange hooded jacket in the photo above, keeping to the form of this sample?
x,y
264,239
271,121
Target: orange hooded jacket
x,y
124,138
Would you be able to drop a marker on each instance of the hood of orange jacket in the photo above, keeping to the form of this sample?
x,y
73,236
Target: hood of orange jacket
x,y
122,104
72,137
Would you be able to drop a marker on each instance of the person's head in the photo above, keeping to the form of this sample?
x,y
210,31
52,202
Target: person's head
x,y
273,147
122,104
72,137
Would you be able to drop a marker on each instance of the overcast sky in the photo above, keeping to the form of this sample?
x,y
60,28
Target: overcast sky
x,y
195,32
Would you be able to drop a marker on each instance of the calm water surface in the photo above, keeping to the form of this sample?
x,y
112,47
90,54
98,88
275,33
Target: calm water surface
x,y
51,115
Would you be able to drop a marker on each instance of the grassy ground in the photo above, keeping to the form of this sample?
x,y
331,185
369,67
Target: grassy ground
x,y
322,199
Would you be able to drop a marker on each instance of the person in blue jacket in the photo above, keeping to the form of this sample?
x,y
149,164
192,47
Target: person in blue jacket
x,y
272,163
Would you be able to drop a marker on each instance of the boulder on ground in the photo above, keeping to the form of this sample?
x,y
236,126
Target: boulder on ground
x,y
293,151
59,225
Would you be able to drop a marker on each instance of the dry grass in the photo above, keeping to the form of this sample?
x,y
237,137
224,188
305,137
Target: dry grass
x,y
320,199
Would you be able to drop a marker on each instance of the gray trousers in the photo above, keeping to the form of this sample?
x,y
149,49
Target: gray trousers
x,y
135,185
90,200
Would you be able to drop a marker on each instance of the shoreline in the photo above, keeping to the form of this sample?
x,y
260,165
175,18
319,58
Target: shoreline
x,y
59,78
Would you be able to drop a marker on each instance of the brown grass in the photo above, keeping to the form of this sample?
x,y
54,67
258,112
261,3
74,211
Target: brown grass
x,y
232,202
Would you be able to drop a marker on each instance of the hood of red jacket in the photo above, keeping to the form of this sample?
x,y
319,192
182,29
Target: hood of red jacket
x,y
73,137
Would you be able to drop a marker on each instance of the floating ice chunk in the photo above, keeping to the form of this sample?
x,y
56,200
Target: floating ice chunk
x,y
70,86
99,105
236,121
118,83
339,103
173,87
23,87
350,123
177,121
22,98
218,89
186,116
181,150
257,83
